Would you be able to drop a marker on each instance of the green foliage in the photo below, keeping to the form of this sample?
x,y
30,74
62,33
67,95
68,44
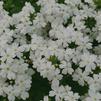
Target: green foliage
x,y
98,4
74,85
40,88
90,22
54,61
13,6
61,1
69,21
72,45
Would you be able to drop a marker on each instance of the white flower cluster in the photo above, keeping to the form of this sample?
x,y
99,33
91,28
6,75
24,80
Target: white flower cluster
x,y
63,39
15,76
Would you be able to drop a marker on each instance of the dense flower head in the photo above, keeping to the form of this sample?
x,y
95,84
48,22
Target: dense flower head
x,y
62,40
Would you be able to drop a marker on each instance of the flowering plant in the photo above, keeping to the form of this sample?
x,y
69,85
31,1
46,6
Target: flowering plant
x,y
50,50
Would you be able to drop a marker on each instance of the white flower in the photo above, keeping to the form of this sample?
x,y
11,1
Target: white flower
x,y
24,95
57,91
88,61
93,96
80,76
46,98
